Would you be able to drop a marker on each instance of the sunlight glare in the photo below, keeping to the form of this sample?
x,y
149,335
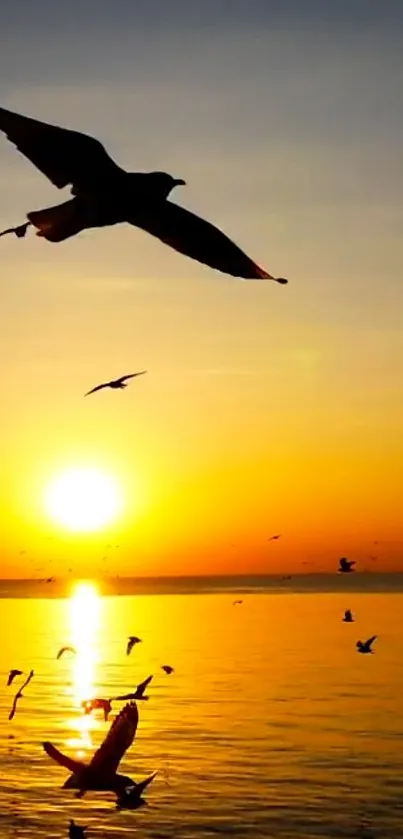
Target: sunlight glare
x,y
83,499
85,612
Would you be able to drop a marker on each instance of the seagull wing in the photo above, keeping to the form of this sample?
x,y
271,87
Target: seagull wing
x,y
193,236
64,156
132,375
143,685
14,708
118,740
98,387
370,641
63,760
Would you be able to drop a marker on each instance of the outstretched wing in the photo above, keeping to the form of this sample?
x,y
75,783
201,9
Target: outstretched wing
x,y
193,236
64,156
118,740
370,641
143,685
98,387
132,375
61,759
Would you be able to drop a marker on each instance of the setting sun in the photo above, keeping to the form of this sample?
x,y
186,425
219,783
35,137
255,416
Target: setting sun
x,y
83,499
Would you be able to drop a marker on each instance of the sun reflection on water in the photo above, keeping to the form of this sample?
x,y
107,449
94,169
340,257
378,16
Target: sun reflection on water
x,y
85,612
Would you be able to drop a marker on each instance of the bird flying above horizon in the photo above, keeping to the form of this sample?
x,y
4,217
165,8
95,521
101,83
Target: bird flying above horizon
x,y
274,538
116,384
138,693
13,675
348,616
132,641
237,603
101,774
104,195
64,650
346,565
19,695
167,669
365,646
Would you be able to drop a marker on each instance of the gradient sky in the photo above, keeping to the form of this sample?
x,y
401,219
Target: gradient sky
x,y
266,409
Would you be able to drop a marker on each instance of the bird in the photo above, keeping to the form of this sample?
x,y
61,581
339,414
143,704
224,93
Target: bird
x,y
138,693
167,669
237,603
130,798
273,538
19,695
90,705
131,643
348,616
76,832
66,650
365,646
346,565
116,384
101,773
105,194
12,675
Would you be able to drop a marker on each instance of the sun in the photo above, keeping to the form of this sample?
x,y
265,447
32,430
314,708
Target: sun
x,y
83,499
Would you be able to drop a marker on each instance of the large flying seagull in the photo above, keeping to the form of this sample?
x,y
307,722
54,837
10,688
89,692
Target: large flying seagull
x,y
105,194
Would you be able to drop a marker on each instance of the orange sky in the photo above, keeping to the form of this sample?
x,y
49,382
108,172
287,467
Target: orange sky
x,y
265,408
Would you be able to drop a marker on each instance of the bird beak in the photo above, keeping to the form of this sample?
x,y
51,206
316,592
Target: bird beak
x,y
179,182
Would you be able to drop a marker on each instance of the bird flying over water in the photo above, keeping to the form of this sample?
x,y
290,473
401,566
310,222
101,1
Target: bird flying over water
x,y
66,650
104,194
76,832
12,675
167,669
19,695
237,603
101,773
90,705
130,798
138,693
348,616
274,538
346,565
131,643
116,384
365,646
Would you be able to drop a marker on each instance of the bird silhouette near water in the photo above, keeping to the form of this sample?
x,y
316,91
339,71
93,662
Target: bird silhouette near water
x,y
102,771
167,669
346,565
104,194
13,675
139,693
19,695
133,640
348,616
365,646
104,705
116,384
64,650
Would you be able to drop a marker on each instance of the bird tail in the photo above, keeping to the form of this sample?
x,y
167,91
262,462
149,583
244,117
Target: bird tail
x,y
58,223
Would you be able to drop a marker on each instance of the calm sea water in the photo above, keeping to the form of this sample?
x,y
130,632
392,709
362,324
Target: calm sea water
x,y
271,726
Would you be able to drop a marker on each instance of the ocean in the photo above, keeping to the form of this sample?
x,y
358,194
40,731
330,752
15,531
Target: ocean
x,y
272,725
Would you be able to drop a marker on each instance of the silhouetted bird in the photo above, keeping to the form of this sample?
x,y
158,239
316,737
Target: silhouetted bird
x,y
66,650
12,675
101,773
19,695
138,693
130,798
104,194
273,538
77,832
167,669
346,565
116,384
348,616
365,646
237,603
104,705
131,643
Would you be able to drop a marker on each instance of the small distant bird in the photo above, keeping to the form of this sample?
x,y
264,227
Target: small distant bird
x,y
104,705
12,675
66,650
50,580
365,646
130,798
101,773
19,695
348,616
76,832
138,693
104,195
131,643
116,384
167,669
237,603
273,538
346,565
